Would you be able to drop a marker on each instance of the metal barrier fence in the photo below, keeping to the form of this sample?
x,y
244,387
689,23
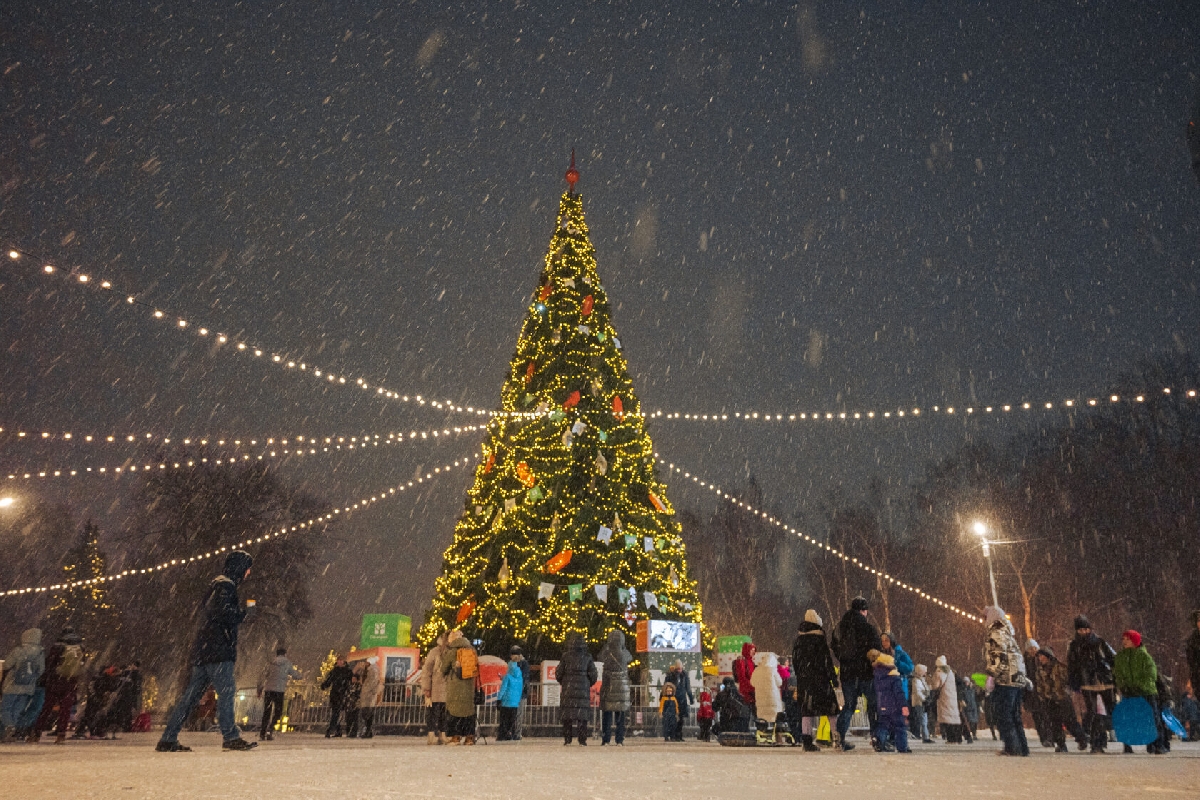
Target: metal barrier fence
x,y
403,711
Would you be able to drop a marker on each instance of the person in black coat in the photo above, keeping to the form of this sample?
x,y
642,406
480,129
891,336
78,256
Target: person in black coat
x,y
214,652
732,712
1090,672
854,638
337,683
576,674
816,679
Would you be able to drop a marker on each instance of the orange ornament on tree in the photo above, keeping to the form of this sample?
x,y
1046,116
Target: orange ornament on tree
x,y
618,407
525,475
571,401
464,611
529,373
491,462
559,561
545,292
588,302
658,504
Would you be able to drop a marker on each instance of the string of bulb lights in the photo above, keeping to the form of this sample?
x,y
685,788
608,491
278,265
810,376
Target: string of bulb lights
x,y
363,440
816,543
996,410
186,325
307,525
282,449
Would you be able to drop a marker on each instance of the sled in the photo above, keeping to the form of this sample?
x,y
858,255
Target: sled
x,y
1173,724
1133,722
737,739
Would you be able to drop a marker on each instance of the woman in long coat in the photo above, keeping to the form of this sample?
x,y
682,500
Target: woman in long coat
x,y
816,679
614,691
576,674
942,682
372,693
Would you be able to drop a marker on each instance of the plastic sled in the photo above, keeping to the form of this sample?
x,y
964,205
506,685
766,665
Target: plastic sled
x,y
1173,724
1133,722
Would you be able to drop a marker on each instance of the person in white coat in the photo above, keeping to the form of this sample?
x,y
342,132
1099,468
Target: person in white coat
x,y
767,685
372,694
942,682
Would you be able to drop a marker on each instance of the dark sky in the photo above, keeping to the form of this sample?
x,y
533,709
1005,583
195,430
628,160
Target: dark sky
x,y
795,208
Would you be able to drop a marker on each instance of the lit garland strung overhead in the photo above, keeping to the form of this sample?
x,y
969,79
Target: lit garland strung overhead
x,y
309,525
566,463
818,544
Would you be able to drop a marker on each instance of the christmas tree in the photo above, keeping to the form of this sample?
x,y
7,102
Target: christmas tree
x,y
566,526
84,607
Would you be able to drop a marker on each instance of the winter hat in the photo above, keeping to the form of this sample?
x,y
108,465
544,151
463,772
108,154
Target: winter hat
x,y
236,564
1031,644
993,614
920,670
1082,622
32,636
941,662
1048,652
668,688
1134,637
812,616
859,604
454,635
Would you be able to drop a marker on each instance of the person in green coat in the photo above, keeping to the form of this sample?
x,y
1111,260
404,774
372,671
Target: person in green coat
x,y
1136,675
460,691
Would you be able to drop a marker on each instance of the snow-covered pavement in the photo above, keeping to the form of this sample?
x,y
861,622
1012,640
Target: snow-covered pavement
x,y
309,766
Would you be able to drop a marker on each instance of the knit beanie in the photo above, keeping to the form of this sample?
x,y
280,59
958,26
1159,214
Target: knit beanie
x,y
1134,637
1082,622
812,616
859,604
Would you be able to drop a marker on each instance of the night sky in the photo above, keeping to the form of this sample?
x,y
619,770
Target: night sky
x,y
796,208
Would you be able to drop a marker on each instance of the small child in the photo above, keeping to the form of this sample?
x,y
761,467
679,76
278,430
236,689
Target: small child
x,y
704,715
889,694
668,711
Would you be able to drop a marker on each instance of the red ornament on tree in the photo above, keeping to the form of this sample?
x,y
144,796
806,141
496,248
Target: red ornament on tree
x,y
588,302
464,611
529,373
572,175
545,292
618,407
571,401
491,462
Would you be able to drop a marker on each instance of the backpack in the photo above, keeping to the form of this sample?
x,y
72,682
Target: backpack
x,y
467,663
71,662
25,674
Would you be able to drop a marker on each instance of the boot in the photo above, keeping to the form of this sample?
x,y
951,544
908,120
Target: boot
x,y
454,741
469,740
431,738
809,746
441,738
34,737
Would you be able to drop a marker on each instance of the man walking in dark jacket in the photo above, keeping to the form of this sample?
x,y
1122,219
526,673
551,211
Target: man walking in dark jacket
x,y
213,655
1090,672
852,640
338,683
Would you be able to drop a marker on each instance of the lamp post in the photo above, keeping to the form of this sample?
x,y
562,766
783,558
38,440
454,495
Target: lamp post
x,y
981,531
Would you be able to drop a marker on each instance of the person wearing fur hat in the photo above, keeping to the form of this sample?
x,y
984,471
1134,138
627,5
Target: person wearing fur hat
x,y
892,704
816,679
948,716
213,655
918,695
1136,675
853,637
768,696
1089,672
1006,667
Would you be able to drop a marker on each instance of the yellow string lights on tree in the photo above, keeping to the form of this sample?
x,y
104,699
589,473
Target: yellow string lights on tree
x,y
817,543
307,525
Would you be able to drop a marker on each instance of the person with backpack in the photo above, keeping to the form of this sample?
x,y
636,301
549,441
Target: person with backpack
x,y
23,667
64,665
576,674
214,652
337,683
614,689
460,667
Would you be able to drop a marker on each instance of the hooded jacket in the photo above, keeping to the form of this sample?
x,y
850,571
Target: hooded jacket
x,y
512,686
1005,663
683,690
812,663
460,692
743,668
889,687
615,656
25,664
854,637
768,699
576,674
1051,685
942,682
372,684
221,613
918,687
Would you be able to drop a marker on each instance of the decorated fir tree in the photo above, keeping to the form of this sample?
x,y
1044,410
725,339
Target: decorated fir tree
x,y
86,606
566,526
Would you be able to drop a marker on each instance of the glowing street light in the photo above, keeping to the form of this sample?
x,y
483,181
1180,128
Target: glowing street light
x,y
6,502
980,529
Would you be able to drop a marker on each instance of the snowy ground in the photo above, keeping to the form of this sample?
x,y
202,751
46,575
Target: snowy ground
x,y
309,766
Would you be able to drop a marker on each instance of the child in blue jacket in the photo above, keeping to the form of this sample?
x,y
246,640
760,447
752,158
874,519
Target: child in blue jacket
x,y
892,704
511,689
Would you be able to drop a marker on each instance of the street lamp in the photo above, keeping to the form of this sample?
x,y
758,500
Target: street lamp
x,y
981,531
6,502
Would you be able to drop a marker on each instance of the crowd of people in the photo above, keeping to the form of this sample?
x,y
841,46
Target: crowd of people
x,y
823,679
45,688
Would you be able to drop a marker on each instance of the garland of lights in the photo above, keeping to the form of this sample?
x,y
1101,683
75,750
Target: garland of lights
x,y
818,544
335,441
300,526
